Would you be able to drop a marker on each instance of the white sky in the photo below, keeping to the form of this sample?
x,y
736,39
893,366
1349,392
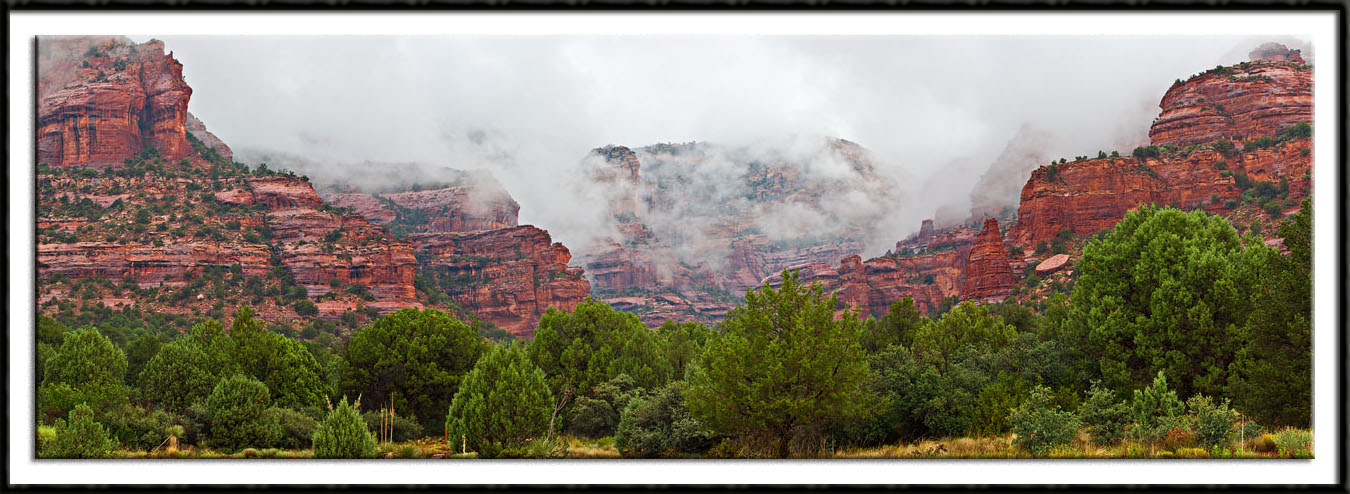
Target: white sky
x,y
935,110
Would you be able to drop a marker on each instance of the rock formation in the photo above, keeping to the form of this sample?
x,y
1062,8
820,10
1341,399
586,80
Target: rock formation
x,y
1210,132
1052,264
122,98
508,277
988,276
1242,101
1275,52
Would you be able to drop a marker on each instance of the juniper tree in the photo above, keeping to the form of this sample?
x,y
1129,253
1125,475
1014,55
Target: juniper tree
x,y
782,368
502,403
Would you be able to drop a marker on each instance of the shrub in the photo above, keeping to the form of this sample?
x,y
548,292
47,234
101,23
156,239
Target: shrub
x,y
46,439
660,422
598,416
136,428
236,407
405,427
306,308
296,430
1039,426
1289,442
1230,204
1213,424
503,403
1155,411
81,436
343,434
1104,417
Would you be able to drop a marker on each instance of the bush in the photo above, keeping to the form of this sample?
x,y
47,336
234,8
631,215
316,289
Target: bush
x,y
405,427
236,407
343,434
660,422
296,430
81,436
306,308
1039,426
137,428
1289,442
502,404
1104,417
46,440
1213,424
1155,411
599,415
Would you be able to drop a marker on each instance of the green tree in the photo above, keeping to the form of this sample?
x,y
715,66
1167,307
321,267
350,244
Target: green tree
x,y
659,422
87,368
1214,424
411,359
1154,411
593,344
684,342
236,407
897,327
1163,291
782,368
1039,425
503,403
86,357
598,415
343,434
1104,418
139,352
290,372
1273,365
184,371
966,325
81,437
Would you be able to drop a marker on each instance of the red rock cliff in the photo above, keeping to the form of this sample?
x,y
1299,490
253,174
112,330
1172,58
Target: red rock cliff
x,y
1241,101
120,98
508,277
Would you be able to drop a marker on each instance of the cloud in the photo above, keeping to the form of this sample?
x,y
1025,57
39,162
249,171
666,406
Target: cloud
x,y
935,111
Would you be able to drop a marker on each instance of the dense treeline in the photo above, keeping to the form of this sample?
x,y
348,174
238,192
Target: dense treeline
x,y
1176,332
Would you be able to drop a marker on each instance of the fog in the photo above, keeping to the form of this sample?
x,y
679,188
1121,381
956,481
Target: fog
x,y
934,112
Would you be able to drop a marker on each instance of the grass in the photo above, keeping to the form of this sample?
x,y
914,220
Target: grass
x,y
1298,444
1285,443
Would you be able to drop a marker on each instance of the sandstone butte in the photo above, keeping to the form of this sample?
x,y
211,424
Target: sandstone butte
x,y
1088,196
103,100
118,100
1239,103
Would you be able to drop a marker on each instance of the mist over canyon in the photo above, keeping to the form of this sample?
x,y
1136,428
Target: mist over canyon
x,y
934,113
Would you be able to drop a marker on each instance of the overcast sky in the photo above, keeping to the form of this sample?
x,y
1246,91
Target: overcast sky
x,y
935,110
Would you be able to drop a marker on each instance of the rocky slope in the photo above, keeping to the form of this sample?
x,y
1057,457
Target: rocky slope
x,y
1246,100
140,205
508,276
